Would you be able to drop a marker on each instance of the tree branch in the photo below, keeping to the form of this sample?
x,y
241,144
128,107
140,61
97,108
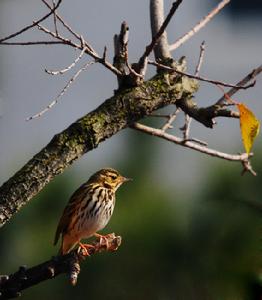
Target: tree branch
x,y
56,99
161,49
201,78
75,34
189,144
86,134
12,285
32,43
242,82
156,37
83,44
198,26
32,25
201,58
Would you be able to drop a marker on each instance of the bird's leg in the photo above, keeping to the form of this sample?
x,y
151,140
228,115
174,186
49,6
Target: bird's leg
x,y
85,248
102,240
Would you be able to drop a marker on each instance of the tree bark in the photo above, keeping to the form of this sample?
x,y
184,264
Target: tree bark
x,y
87,133
12,285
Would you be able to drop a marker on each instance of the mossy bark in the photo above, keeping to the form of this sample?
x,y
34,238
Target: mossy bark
x,y
87,133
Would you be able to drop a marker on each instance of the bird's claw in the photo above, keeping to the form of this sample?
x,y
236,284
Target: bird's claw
x,y
83,248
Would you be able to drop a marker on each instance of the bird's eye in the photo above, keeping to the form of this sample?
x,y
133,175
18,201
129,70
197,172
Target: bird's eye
x,y
113,176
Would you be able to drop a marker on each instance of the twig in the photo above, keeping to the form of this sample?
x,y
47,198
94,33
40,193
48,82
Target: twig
x,y
33,43
89,49
59,37
35,23
104,54
55,18
12,285
61,93
201,58
132,71
150,47
244,157
186,128
170,120
76,35
242,82
247,168
51,72
198,26
216,82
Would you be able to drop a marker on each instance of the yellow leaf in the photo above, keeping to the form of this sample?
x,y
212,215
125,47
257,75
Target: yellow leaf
x,y
249,126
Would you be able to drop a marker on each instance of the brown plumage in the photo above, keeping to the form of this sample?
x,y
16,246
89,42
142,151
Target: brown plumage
x,y
89,208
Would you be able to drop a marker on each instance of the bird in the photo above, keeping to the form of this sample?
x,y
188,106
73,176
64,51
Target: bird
x,y
89,209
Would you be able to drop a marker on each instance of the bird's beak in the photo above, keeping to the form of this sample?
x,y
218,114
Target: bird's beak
x,y
125,179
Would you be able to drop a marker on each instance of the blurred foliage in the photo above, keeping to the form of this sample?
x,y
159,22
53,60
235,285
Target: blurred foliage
x,y
204,245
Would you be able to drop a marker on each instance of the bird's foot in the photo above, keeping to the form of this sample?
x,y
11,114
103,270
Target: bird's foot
x,y
84,248
103,240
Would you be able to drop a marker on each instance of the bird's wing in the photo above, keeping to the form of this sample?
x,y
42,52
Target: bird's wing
x,y
69,215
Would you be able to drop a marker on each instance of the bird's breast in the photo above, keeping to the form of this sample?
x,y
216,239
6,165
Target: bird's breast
x,y
95,212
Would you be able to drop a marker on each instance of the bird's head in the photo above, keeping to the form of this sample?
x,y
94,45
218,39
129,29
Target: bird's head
x,y
109,178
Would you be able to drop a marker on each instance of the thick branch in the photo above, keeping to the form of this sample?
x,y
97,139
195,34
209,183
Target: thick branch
x,y
12,285
205,115
161,49
86,134
155,38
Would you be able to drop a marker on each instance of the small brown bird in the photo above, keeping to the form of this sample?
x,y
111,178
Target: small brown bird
x,y
89,209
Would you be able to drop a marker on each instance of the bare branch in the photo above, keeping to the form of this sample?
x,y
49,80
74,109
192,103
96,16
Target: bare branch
x,y
69,67
200,142
33,43
12,285
216,82
76,35
161,48
242,82
104,54
186,128
32,25
156,37
61,93
171,119
201,58
192,145
247,168
198,26
55,18
89,49
120,53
